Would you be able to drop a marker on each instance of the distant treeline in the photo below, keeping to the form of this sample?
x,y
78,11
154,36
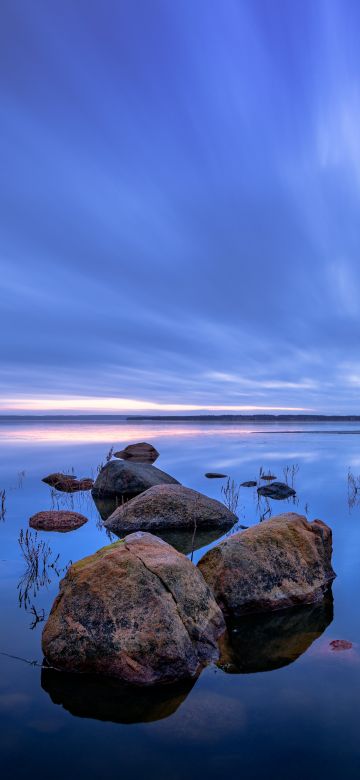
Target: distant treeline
x,y
250,418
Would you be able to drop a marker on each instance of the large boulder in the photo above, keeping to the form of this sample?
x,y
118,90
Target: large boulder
x,y
279,563
137,610
57,520
170,506
142,452
127,479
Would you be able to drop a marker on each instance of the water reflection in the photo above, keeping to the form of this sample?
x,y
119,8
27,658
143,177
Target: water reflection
x,y
261,643
107,699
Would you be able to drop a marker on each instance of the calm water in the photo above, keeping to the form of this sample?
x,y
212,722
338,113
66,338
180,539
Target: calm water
x,y
285,705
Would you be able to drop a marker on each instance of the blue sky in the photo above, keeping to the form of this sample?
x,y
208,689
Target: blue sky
x,y
179,204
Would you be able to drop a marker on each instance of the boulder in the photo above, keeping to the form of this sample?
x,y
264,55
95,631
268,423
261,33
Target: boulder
x,y
277,564
138,453
278,490
170,506
136,610
127,479
57,520
68,483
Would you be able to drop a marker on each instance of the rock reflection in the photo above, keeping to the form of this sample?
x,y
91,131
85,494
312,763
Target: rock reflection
x,y
107,699
261,643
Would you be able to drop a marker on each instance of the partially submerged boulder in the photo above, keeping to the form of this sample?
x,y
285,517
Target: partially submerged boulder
x,y
214,475
279,563
278,490
127,479
170,506
57,520
68,483
142,452
137,610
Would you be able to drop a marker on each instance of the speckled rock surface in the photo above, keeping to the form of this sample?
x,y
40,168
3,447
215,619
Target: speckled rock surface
x,y
137,610
276,564
170,506
57,520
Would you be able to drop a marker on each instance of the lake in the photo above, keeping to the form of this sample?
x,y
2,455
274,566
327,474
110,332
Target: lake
x,y
286,706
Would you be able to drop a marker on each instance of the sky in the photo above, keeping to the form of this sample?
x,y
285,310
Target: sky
x,y
179,205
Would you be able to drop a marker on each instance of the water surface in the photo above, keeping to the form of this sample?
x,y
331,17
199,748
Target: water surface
x,y
283,704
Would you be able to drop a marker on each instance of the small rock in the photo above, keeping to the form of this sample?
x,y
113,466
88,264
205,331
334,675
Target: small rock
x,y
138,453
268,477
278,490
340,644
136,610
57,520
170,507
127,479
214,475
250,483
274,565
68,483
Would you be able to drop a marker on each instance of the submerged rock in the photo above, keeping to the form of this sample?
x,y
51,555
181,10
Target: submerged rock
x,y
249,483
106,699
127,479
268,477
138,453
170,506
57,520
214,475
279,563
261,643
278,490
68,483
137,610
340,644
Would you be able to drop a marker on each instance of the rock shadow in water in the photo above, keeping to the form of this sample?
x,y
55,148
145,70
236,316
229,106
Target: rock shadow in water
x,y
261,643
107,699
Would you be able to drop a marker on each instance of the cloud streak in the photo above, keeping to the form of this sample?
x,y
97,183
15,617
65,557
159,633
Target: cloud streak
x,y
179,204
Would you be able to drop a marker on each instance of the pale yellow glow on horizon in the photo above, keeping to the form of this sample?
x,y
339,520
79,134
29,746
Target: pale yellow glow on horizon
x,y
124,405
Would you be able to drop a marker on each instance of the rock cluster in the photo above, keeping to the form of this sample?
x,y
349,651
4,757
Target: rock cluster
x,y
68,483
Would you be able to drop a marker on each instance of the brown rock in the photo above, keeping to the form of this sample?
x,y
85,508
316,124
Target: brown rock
x,y
279,563
136,610
57,520
170,506
340,644
139,453
68,483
